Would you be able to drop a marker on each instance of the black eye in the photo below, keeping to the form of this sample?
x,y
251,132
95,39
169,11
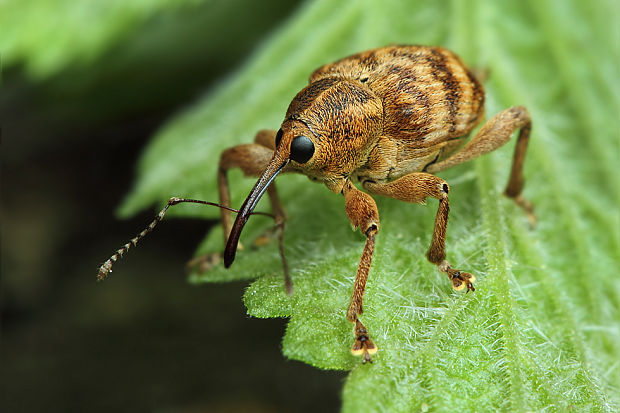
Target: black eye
x,y
279,137
302,149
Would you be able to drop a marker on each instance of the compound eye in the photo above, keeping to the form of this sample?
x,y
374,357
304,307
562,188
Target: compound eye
x,y
302,149
279,137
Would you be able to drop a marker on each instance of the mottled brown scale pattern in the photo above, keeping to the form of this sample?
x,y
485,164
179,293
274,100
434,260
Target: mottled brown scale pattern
x,y
427,92
334,107
389,119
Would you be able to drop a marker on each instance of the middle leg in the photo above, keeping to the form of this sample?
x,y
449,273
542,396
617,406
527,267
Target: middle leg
x,y
493,134
415,188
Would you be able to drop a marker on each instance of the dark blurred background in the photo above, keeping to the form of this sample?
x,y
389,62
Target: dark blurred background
x,y
71,135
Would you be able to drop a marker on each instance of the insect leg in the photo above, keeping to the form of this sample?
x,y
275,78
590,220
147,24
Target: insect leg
x,y
362,211
251,159
492,135
437,251
415,188
515,183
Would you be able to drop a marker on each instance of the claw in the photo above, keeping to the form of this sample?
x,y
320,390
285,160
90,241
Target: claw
x,y
461,280
527,208
363,345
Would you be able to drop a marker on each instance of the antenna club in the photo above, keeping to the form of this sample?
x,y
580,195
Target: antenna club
x,y
104,270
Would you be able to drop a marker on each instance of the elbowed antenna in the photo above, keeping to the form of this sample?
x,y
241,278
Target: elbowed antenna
x,y
274,167
106,267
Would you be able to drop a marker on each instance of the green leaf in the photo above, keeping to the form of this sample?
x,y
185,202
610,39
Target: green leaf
x,y
100,39
31,32
541,330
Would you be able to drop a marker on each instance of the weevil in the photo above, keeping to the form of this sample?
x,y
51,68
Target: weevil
x,y
388,120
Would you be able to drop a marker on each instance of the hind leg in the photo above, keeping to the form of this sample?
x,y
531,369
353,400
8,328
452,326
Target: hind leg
x,y
493,134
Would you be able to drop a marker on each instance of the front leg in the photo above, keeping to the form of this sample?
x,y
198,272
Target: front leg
x,y
362,211
415,188
251,159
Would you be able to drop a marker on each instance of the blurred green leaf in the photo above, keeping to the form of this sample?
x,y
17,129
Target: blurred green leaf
x,y
31,32
541,331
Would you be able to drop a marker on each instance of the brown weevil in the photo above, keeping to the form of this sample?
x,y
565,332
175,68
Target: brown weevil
x,y
388,118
